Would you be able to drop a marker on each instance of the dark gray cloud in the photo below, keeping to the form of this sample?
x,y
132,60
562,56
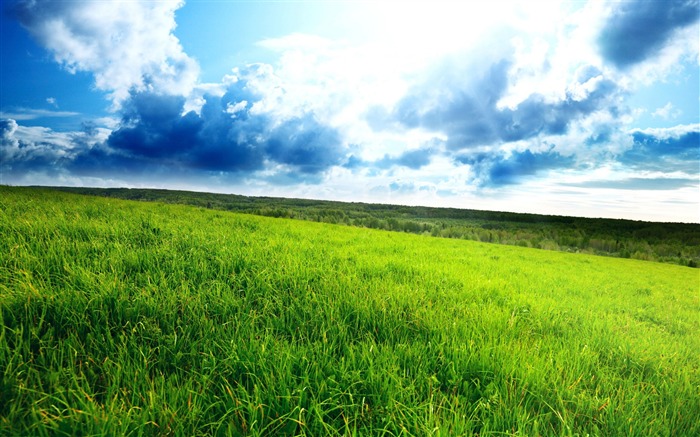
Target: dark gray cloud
x,y
638,29
497,169
468,113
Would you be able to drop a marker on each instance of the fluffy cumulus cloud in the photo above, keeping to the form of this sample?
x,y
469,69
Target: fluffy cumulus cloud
x,y
125,44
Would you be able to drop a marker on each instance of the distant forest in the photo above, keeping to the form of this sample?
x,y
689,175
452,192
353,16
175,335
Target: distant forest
x,y
677,243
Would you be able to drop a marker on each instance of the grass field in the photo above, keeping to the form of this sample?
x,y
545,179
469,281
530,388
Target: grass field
x,y
675,243
125,318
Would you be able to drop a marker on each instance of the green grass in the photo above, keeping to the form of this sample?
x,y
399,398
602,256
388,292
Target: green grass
x,y
140,319
676,243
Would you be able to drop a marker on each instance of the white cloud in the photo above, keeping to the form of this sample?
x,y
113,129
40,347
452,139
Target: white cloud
x,y
21,144
27,143
666,112
195,99
551,52
32,114
670,132
107,122
124,44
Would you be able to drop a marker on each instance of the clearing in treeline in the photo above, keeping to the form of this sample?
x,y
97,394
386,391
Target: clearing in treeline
x,y
136,318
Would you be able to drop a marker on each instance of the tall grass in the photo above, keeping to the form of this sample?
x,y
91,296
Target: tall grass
x,y
122,318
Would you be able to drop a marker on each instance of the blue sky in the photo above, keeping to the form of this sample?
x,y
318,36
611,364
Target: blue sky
x,y
588,108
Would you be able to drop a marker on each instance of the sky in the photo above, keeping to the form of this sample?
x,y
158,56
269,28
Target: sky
x,y
583,108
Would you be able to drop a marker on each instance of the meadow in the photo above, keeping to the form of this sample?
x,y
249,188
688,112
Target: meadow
x,y
676,243
149,319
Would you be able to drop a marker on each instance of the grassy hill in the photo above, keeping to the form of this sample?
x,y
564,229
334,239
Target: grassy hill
x,y
133,318
677,243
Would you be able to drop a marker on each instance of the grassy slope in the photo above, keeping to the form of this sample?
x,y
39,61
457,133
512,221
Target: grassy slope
x,y
146,319
676,243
